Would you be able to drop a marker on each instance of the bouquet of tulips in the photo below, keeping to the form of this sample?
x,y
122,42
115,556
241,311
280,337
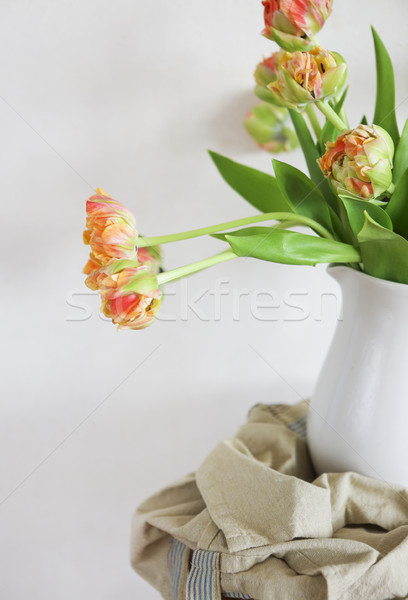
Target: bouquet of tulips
x,y
354,201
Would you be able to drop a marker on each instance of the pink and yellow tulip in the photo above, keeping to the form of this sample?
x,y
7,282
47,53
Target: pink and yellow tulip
x,y
292,24
359,162
130,293
295,80
110,230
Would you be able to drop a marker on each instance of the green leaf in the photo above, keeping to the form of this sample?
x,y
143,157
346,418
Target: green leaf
x,y
356,210
329,131
306,198
311,154
385,102
258,188
289,247
308,146
364,120
397,207
401,155
384,253
303,195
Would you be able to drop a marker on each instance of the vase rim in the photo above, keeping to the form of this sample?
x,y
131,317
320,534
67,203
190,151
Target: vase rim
x,y
375,280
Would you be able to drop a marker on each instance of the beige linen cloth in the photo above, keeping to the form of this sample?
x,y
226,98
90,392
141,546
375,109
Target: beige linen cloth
x,y
254,522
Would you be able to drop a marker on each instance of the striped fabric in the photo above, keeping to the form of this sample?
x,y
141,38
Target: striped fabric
x,y
178,562
203,582
299,427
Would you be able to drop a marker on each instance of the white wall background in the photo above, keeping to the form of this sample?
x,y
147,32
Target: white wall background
x,y
127,96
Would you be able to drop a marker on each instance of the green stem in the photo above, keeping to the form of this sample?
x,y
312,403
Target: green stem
x,y
313,120
195,267
286,225
331,115
275,216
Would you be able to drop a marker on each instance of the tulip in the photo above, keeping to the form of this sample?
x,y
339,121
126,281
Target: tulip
x,y
295,80
111,230
292,24
359,162
130,293
266,124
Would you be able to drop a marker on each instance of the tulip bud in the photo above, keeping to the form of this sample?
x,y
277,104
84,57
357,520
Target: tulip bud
x,y
129,292
266,124
359,162
294,80
293,24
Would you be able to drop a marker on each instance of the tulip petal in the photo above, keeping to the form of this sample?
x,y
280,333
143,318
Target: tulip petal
x,y
290,42
266,95
381,177
264,75
294,92
142,282
333,80
387,139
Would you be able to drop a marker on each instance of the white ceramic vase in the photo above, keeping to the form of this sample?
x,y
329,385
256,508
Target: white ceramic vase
x,y
358,418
